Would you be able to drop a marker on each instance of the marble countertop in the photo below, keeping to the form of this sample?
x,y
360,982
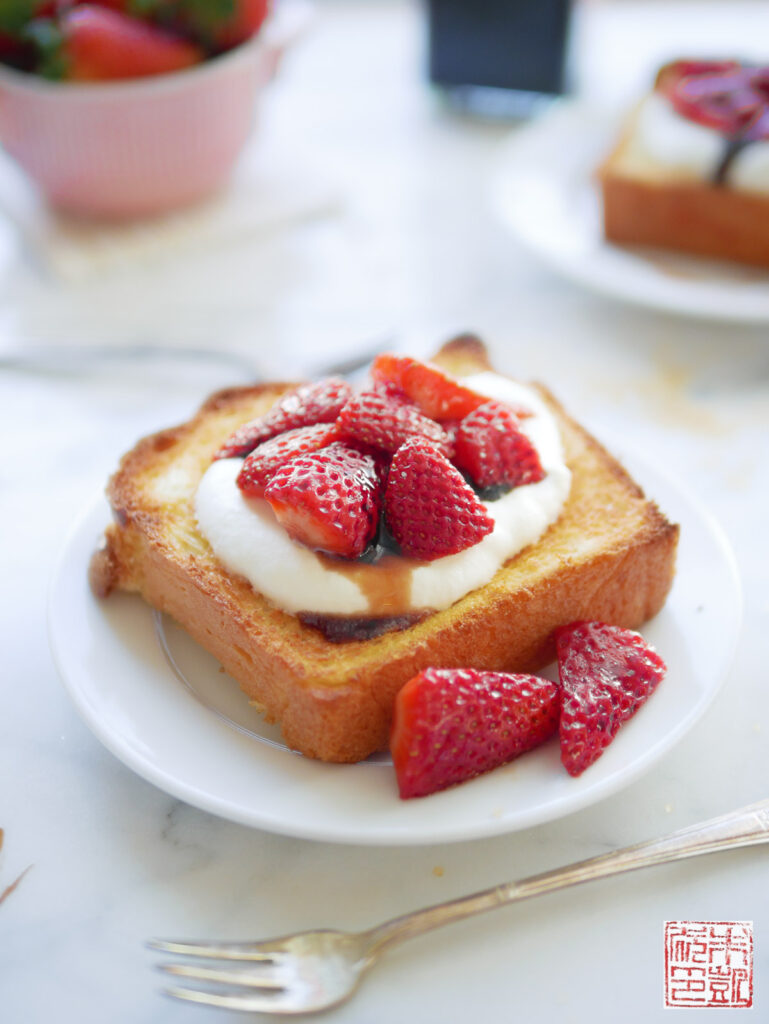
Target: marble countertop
x,y
101,859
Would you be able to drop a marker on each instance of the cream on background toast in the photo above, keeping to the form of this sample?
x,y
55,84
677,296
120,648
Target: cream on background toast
x,y
609,556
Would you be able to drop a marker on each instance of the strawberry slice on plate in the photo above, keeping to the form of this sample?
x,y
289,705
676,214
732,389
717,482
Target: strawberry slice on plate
x,y
429,508
606,674
263,462
328,500
438,395
450,725
320,402
493,450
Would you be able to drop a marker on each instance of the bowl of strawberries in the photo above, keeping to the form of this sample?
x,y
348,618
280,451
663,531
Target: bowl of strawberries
x,y
121,109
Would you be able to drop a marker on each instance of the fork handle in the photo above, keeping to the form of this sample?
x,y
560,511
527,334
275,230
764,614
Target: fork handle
x,y
746,827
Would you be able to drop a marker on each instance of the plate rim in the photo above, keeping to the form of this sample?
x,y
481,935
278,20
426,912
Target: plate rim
x,y
675,297
481,828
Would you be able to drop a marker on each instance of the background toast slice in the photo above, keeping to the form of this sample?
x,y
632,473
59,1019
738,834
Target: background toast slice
x,y
643,204
610,556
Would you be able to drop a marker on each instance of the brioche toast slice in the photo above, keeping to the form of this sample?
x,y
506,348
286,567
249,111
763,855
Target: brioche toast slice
x,y
609,556
643,205
675,205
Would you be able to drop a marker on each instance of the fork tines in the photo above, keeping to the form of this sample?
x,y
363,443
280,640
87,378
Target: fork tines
x,y
249,987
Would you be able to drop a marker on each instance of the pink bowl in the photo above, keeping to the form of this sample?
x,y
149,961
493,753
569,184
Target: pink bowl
x,y
141,147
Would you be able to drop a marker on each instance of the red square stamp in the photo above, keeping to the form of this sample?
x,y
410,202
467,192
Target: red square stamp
x,y
708,963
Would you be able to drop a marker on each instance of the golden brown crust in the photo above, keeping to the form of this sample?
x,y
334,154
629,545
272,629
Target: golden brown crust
x,y
686,216
610,556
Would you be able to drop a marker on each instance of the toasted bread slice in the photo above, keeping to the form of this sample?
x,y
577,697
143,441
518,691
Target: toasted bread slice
x,y
610,556
692,217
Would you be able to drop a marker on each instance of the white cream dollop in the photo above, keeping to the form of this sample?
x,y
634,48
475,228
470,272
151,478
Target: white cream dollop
x,y
662,140
248,540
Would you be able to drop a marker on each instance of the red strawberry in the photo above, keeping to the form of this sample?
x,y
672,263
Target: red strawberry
x,y
493,451
673,72
328,500
216,24
606,674
98,44
437,394
452,724
429,509
260,466
385,420
19,53
724,100
320,402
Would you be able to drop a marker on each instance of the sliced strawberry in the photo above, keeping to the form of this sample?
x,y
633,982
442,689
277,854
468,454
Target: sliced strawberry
x,y
493,451
606,674
305,406
328,500
429,509
260,466
452,724
438,395
385,420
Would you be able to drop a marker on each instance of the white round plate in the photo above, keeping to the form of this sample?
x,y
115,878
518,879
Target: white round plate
x,y
546,193
166,709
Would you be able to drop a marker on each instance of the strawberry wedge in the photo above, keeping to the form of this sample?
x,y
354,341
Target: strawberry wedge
x,y
438,395
450,725
328,500
320,402
606,674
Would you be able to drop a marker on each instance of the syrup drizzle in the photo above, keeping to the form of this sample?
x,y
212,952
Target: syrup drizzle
x,y
383,575
732,148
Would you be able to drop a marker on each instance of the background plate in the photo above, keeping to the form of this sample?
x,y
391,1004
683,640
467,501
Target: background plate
x,y
546,194
122,682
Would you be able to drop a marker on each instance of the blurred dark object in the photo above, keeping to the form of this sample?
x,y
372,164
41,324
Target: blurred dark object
x,y
498,57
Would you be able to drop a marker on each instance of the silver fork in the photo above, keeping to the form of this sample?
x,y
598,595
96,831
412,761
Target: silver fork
x,y
315,970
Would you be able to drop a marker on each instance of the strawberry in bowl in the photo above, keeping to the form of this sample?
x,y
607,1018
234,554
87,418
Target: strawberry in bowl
x,y
114,107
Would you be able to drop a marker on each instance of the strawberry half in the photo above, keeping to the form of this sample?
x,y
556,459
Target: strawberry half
x,y
260,466
429,509
453,724
328,500
493,451
606,674
438,395
305,406
386,419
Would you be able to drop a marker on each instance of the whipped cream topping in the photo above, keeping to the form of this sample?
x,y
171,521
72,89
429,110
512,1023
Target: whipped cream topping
x,y
662,140
247,538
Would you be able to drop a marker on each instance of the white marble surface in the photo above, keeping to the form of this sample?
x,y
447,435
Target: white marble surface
x,y
416,250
